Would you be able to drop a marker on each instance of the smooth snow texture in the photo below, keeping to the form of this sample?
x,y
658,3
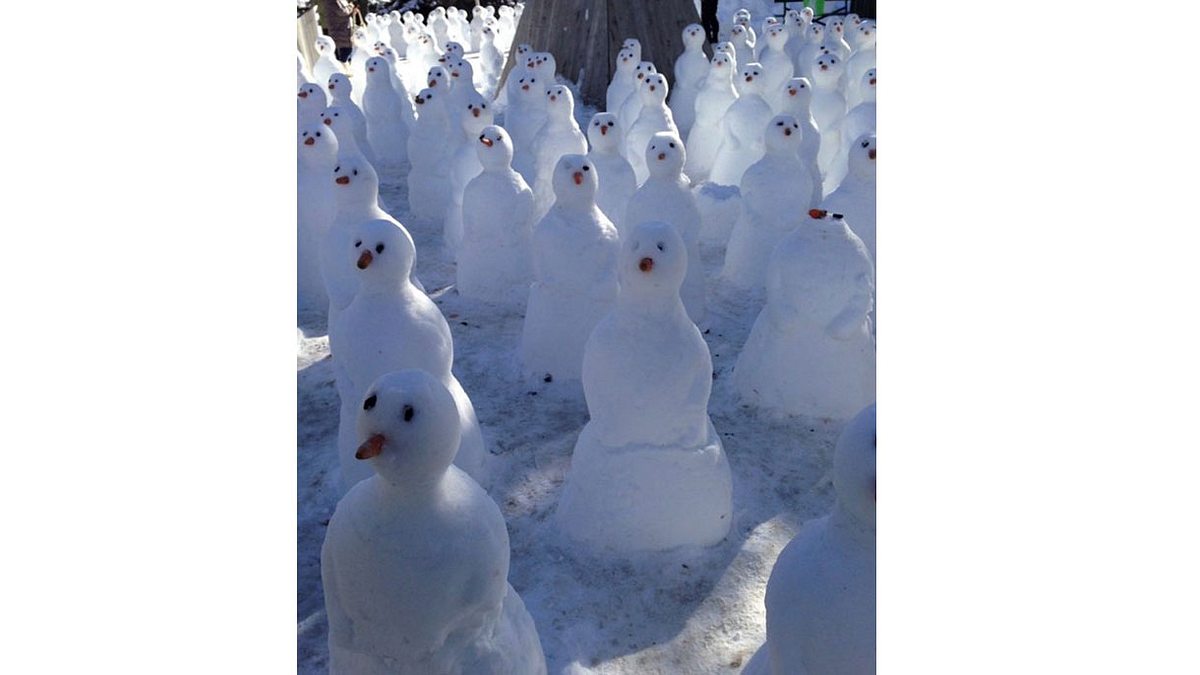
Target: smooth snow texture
x,y
415,560
648,472
811,351
559,136
616,178
316,207
742,129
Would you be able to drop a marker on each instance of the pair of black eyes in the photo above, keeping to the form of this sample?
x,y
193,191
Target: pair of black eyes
x,y
407,412
378,247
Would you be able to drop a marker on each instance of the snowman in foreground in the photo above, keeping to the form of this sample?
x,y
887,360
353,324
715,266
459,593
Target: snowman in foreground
x,y
648,472
415,560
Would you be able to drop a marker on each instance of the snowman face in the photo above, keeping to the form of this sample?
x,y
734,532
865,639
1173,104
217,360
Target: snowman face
x,y
376,64
477,109
625,58
693,34
738,34
360,37
721,63
654,87
379,47
799,88
643,69
777,35
324,45
424,97
603,131
408,427
312,94
868,80
494,147
862,155
653,259
751,74
866,33
829,65
523,49
455,49
559,97
437,77
632,45
457,69
816,32
317,137
352,175
527,84
575,179
665,154
339,84
783,131
379,251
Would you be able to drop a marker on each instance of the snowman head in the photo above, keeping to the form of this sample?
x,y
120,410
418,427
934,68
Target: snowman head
x,y
777,36
738,34
574,181
325,45
378,47
693,36
460,71
378,70
854,467
653,261
654,89
643,69
816,33
382,253
529,90
750,78
494,148
782,135
524,49
604,133
408,428
316,142
477,114
438,78
560,103
722,65
867,85
827,69
626,62
864,35
339,86
633,45
354,179
337,118
798,92
454,50
665,155
424,99
862,156
312,96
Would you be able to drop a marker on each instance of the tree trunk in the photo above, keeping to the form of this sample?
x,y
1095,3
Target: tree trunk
x,y
585,35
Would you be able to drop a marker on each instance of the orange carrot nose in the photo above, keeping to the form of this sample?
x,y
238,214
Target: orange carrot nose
x,y
370,70
817,213
662,156
310,140
791,92
328,121
343,180
578,176
553,98
787,132
525,87
432,83
475,112
303,94
872,81
371,447
824,67
871,154
364,260
646,264
486,141
603,131
651,87
749,78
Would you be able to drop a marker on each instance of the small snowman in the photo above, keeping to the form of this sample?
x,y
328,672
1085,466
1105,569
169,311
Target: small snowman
x,y
575,277
415,560
690,70
811,351
655,117
316,207
648,472
716,95
855,197
616,178
742,129
559,136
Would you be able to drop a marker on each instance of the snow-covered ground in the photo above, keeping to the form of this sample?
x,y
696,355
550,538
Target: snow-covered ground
x,y
685,611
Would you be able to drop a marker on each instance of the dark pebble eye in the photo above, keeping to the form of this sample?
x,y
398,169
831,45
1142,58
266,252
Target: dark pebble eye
x,y
672,144
866,143
356,172
660,246
358,243
586,167
369,403
337,169
408,413
379,248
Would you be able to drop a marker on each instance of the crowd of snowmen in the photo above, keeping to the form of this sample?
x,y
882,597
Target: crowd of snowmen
x,y
597,239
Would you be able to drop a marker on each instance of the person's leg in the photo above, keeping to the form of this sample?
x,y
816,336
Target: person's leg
x,y
708,18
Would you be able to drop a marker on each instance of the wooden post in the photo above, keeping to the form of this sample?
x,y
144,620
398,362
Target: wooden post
x,y
585,36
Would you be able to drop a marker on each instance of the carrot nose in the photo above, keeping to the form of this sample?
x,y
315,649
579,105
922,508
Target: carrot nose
x,y
553,98
578,176
370,70
749,78
651,87
364,260
787,132
646,264
370,447
525,87
603,131
817,213
343,180
871,154
475,112
310,140
328,121
662,156
872,81
330,86
432,83
486,141
303,94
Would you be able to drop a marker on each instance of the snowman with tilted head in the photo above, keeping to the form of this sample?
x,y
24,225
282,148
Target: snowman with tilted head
x,y
615,175
464,166
316,207
341,98
829,109
654,118
820,597
415,560
520,68
623,81
811,351
775,191
326,64
524,118
666,196
712,102
691,67
559,136
632,107
855,197
495,261
797,102
575,277
390,325
428,180
648,472
742,130
387,130
311,101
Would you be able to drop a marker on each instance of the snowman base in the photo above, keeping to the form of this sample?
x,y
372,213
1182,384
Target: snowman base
x,y
646,498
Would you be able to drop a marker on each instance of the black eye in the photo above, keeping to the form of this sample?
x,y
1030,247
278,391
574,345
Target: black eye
x,y
356,172
672,144
318,133
586,167
379,248
660,246
369,403
337,169
866,143
408,413
358,243
779,124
